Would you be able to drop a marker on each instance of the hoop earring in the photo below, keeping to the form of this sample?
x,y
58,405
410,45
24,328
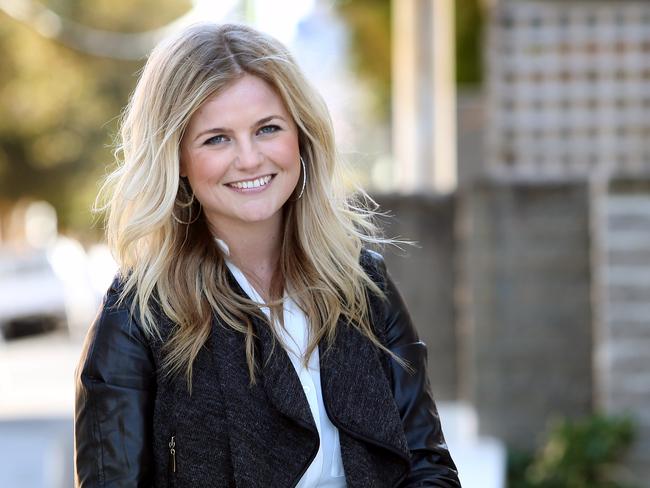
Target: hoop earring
x,y
186,205
183,204
192,220
304,179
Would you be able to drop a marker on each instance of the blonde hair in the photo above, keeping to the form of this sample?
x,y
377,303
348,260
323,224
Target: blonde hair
x,y
176,266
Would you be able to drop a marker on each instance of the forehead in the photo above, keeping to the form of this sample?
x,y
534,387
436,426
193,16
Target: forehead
x,y
247,99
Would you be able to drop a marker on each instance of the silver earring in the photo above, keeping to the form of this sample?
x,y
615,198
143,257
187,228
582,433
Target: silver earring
x,y
186,205
304,178
192,220
184,188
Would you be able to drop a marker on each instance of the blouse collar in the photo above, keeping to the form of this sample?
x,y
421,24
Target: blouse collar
x,y
223,246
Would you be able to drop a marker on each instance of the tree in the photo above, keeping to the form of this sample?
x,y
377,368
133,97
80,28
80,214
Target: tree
x,y
59,107
469,36
369,22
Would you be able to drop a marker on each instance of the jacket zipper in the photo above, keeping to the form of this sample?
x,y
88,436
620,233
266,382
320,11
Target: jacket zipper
x,y
172,453
172,460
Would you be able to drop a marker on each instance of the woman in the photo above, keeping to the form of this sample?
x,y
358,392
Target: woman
x,y
249,340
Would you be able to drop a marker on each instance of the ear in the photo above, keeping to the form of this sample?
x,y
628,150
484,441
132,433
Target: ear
x,y
182,156
181,168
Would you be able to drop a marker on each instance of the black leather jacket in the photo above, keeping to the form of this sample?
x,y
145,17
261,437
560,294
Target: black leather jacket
x,y
123,410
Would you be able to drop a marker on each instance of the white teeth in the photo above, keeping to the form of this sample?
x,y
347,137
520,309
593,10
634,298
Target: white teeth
x,y
252,183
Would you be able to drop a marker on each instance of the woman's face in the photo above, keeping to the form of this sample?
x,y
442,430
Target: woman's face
x,y
241,156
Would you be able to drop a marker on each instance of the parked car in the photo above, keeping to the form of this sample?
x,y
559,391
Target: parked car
x,y
32,297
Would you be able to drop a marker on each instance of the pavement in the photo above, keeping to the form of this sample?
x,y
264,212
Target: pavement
x,y
36,407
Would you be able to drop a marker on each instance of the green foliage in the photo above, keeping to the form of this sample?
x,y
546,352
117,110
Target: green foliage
x,y
576,454
58,106
469,46
369,23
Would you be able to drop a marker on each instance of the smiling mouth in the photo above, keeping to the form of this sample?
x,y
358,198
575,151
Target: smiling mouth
x,y
254,183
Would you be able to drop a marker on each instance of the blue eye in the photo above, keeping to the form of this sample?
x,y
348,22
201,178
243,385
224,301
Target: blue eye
x,y
218,139
269,129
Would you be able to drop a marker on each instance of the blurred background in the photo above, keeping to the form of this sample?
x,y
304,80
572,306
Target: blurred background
x,y
508,138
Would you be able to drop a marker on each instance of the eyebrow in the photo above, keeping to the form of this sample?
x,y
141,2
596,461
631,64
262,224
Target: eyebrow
x,y
217,130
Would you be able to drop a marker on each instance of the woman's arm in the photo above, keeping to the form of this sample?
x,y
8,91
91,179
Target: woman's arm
x,y
115,389
431,463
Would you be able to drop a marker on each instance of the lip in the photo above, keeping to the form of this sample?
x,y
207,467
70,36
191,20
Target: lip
x,y
257,189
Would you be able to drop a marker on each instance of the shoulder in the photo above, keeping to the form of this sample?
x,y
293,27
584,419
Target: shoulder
x,y
114,339
115,314
374,265
390,311
370,257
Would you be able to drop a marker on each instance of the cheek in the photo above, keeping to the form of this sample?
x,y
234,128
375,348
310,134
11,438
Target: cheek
x,y
206,170
287,155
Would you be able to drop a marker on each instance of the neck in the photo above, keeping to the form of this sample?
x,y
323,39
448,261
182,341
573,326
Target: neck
x,y
255,249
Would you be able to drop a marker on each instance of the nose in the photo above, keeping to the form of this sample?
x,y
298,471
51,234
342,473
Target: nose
x,y
248,156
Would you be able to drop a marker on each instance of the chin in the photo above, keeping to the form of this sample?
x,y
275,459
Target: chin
x,y
260,216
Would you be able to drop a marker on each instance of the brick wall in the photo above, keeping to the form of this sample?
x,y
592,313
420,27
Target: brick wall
x,y
624,345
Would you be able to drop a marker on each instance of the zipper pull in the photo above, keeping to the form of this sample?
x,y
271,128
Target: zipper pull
x,y
172,452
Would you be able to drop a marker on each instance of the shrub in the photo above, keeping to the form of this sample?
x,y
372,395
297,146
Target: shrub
x,y
584,453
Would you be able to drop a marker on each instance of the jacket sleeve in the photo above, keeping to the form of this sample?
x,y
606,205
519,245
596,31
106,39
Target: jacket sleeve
x,y
115,388
431,463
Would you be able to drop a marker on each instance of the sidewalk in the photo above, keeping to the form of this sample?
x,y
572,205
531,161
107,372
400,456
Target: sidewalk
x,y
36,405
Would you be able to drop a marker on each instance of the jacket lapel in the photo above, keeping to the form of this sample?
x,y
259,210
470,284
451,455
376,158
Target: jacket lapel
x,y
281,381
357,391
272,435
274,415
358,400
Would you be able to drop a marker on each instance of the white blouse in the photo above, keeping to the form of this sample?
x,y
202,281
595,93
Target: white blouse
x,y
326,470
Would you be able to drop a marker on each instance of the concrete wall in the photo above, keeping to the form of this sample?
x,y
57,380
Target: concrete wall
x,y
525,314
425,277
500,287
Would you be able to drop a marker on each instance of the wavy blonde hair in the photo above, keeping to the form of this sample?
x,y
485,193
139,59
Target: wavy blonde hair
x,y
177,268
